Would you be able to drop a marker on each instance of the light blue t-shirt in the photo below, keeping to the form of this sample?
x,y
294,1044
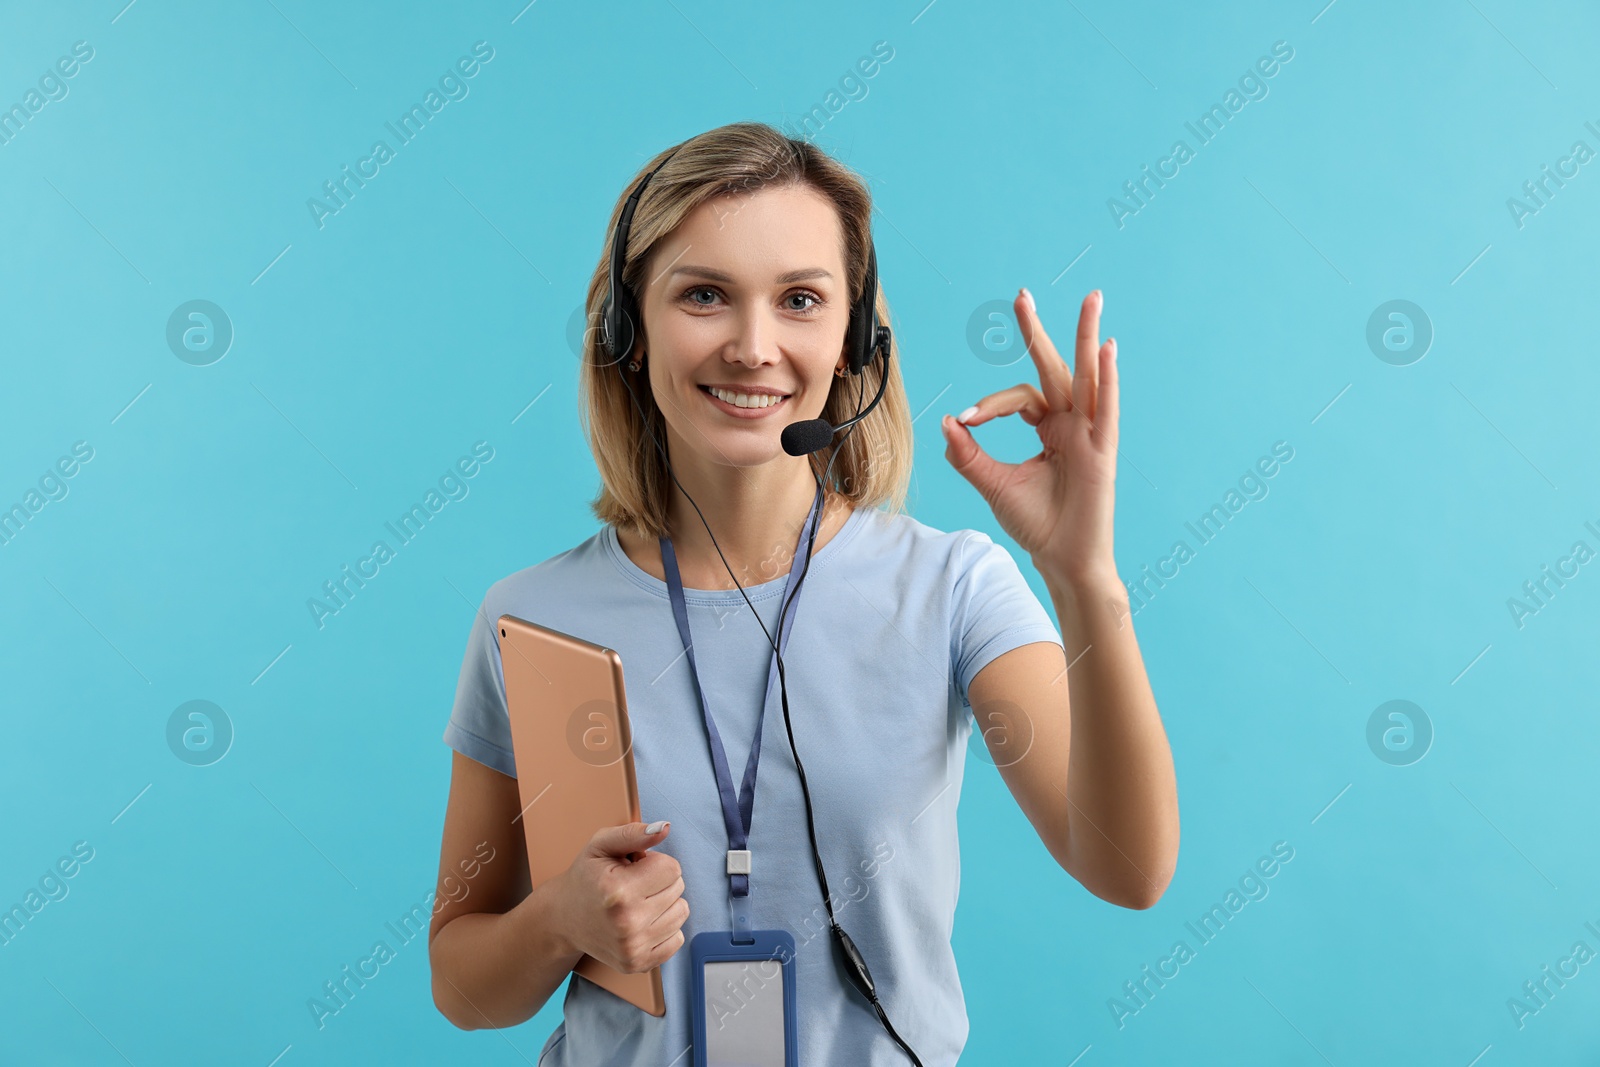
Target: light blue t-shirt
x,y
894,620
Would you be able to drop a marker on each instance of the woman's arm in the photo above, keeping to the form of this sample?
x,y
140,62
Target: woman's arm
x,y
1098,782
1096,777
496,951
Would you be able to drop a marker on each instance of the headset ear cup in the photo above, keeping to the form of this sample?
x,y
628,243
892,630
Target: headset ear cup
x,y
854,340
864,330
622,328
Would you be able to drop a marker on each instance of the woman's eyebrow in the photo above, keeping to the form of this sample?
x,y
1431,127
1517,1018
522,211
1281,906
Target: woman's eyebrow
x,y
782,279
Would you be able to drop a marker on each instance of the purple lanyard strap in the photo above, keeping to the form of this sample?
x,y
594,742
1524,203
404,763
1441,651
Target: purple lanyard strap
x,y
736,811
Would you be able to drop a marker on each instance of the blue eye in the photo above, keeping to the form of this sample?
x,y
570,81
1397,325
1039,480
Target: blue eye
x,y
815,306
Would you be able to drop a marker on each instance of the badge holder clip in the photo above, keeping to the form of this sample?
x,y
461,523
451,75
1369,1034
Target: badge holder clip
x,y
768,957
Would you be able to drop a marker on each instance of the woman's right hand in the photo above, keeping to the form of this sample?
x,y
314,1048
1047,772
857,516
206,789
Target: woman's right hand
x,y
626,912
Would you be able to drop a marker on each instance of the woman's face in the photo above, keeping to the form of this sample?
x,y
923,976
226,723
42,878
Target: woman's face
x,y
747,297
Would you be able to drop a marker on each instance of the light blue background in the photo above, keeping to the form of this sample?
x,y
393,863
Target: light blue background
x,y
429,313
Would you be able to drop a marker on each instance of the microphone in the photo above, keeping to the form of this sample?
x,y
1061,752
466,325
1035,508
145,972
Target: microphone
x,y
804,438
810,435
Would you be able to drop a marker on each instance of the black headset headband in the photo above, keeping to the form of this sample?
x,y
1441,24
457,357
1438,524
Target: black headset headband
x,y
620,313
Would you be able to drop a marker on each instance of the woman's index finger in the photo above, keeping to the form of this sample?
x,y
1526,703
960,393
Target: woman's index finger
x,y
1055,378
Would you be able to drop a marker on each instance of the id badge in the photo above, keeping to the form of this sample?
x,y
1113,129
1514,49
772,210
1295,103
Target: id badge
x,y
744,1000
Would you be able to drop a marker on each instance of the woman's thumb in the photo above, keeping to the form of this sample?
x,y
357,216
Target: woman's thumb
x,y
966,455
621,841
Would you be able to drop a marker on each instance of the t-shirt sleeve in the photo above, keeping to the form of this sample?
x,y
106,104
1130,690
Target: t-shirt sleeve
x,y
480,726
992,609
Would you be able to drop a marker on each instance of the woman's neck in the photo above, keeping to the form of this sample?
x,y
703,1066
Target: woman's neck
x,y
756,514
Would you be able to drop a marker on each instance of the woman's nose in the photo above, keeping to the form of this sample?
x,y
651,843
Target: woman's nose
x,y
756,341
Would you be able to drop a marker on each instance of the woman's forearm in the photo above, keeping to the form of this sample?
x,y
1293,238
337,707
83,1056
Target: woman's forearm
x,y
1122,806
497,970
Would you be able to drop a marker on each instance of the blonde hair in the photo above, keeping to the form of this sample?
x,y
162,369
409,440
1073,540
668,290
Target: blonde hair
x,y
874,463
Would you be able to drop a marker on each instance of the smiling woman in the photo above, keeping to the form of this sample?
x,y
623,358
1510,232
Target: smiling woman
x,y
740,301
795,230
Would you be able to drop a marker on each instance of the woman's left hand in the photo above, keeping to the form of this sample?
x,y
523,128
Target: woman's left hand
x,y
1058,504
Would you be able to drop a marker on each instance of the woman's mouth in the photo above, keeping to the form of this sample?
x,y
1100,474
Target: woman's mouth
x,y
743,405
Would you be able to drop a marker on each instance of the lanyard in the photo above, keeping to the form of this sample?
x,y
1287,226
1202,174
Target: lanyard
x,y
736,810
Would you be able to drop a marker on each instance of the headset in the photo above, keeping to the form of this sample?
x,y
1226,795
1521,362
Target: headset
x,y
866,338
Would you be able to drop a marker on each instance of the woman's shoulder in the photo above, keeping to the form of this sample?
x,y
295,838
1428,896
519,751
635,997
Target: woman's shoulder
x,y
904,537
904,526
565,573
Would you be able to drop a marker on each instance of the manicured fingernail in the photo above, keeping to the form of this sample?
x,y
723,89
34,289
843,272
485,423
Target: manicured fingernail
x,y
1029,298
655,827
967,414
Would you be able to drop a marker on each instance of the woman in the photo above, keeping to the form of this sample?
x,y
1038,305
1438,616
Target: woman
x,y
745,253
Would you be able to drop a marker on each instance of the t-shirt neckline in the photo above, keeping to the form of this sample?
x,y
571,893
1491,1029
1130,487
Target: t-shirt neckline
x,y
656,587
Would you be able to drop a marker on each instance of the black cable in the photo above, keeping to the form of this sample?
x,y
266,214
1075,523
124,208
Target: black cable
x,y
855,964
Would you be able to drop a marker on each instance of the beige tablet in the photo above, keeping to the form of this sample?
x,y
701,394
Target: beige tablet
x,y
569,733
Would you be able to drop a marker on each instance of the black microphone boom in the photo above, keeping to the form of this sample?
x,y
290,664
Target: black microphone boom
x,y
811,435
804,438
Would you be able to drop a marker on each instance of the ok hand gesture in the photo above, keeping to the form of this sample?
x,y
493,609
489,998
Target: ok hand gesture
x,y
1057,505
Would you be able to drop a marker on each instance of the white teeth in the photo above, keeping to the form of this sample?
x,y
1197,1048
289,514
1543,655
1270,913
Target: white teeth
x,y
744,400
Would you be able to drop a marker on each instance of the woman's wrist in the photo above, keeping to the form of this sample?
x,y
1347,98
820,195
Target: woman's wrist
x,y
1078,578
543,923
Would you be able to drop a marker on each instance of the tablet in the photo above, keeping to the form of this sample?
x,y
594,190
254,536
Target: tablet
x,y
570,737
